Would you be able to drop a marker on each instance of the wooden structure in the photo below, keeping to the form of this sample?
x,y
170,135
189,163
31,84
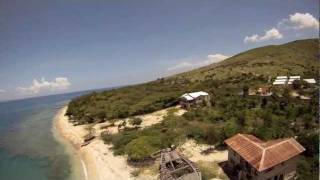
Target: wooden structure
x,y
252,158
174,166
189,100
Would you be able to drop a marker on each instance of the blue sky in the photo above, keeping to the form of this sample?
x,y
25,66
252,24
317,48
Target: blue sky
x,y
56,46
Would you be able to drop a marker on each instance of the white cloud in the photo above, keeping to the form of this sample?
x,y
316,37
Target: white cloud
x,y
299,21
269,35
42,86
215,58
2,91
186,65
181,65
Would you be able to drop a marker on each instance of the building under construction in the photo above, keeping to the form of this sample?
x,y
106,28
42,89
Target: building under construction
x,y
174,166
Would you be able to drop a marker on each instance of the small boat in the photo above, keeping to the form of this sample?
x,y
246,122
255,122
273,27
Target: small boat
x,y
174,166
87,140
85,143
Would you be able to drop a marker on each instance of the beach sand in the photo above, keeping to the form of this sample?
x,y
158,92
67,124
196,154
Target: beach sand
x,y
97,160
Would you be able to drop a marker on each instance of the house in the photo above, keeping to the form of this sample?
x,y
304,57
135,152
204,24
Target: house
x,y
260,91
310,81
284,80
280,80
293,78
189,100
252,158
265,91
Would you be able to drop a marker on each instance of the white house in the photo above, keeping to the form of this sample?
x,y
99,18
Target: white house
x,y
310,81
284,80
195,98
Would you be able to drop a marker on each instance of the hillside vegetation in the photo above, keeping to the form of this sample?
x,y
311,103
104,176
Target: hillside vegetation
x,y
251,67
277,116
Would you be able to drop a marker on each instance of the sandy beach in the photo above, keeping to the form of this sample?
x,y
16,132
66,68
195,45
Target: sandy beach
x,y
97,161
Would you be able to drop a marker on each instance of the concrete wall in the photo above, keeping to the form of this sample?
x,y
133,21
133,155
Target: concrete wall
x,y
287,168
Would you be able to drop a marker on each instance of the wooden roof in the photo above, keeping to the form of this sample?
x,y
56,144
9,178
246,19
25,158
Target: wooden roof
x,y
264,155
174,166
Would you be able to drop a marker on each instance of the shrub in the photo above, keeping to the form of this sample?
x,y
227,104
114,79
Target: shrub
x,y
141,148
135,121
106,137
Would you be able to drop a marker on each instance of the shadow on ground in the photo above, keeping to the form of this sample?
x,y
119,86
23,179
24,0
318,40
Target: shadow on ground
x,y
227,170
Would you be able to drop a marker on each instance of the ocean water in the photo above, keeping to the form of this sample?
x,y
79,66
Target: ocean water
x,y
28,148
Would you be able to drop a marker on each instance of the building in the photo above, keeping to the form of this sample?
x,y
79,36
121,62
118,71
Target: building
x,y
310,81
280,80
260,91
189,100
252,158
284,80
174,166
265,91
293,78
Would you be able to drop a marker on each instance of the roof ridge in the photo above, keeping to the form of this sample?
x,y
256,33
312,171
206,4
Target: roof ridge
x,y
277,144
266,148
252,141
272,146
295,145
262,159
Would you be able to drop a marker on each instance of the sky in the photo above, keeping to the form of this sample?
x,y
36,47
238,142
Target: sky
x,y
58,46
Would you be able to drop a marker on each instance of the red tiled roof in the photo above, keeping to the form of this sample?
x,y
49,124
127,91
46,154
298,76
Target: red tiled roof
x,y
264,155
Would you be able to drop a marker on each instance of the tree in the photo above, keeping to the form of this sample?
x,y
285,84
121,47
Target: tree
x,y
245,90
241,118
101,115
286,93
230,129
264,102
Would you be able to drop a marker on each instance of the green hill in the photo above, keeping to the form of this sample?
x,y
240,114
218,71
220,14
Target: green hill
x,y
297,57
255,66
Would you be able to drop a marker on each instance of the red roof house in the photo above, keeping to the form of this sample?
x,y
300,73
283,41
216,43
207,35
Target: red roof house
x,y
258,159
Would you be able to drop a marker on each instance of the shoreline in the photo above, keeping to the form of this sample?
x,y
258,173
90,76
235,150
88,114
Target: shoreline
x,y
96,159
78,167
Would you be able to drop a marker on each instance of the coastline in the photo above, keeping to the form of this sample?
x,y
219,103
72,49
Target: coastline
x,y
78,167
96,159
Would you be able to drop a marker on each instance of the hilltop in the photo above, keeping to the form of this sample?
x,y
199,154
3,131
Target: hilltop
x,y
256,66
297,57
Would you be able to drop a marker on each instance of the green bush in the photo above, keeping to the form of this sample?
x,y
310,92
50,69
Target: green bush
x,y
135,121
141,148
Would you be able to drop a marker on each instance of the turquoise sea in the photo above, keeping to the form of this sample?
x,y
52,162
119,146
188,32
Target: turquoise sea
x,y
28,148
